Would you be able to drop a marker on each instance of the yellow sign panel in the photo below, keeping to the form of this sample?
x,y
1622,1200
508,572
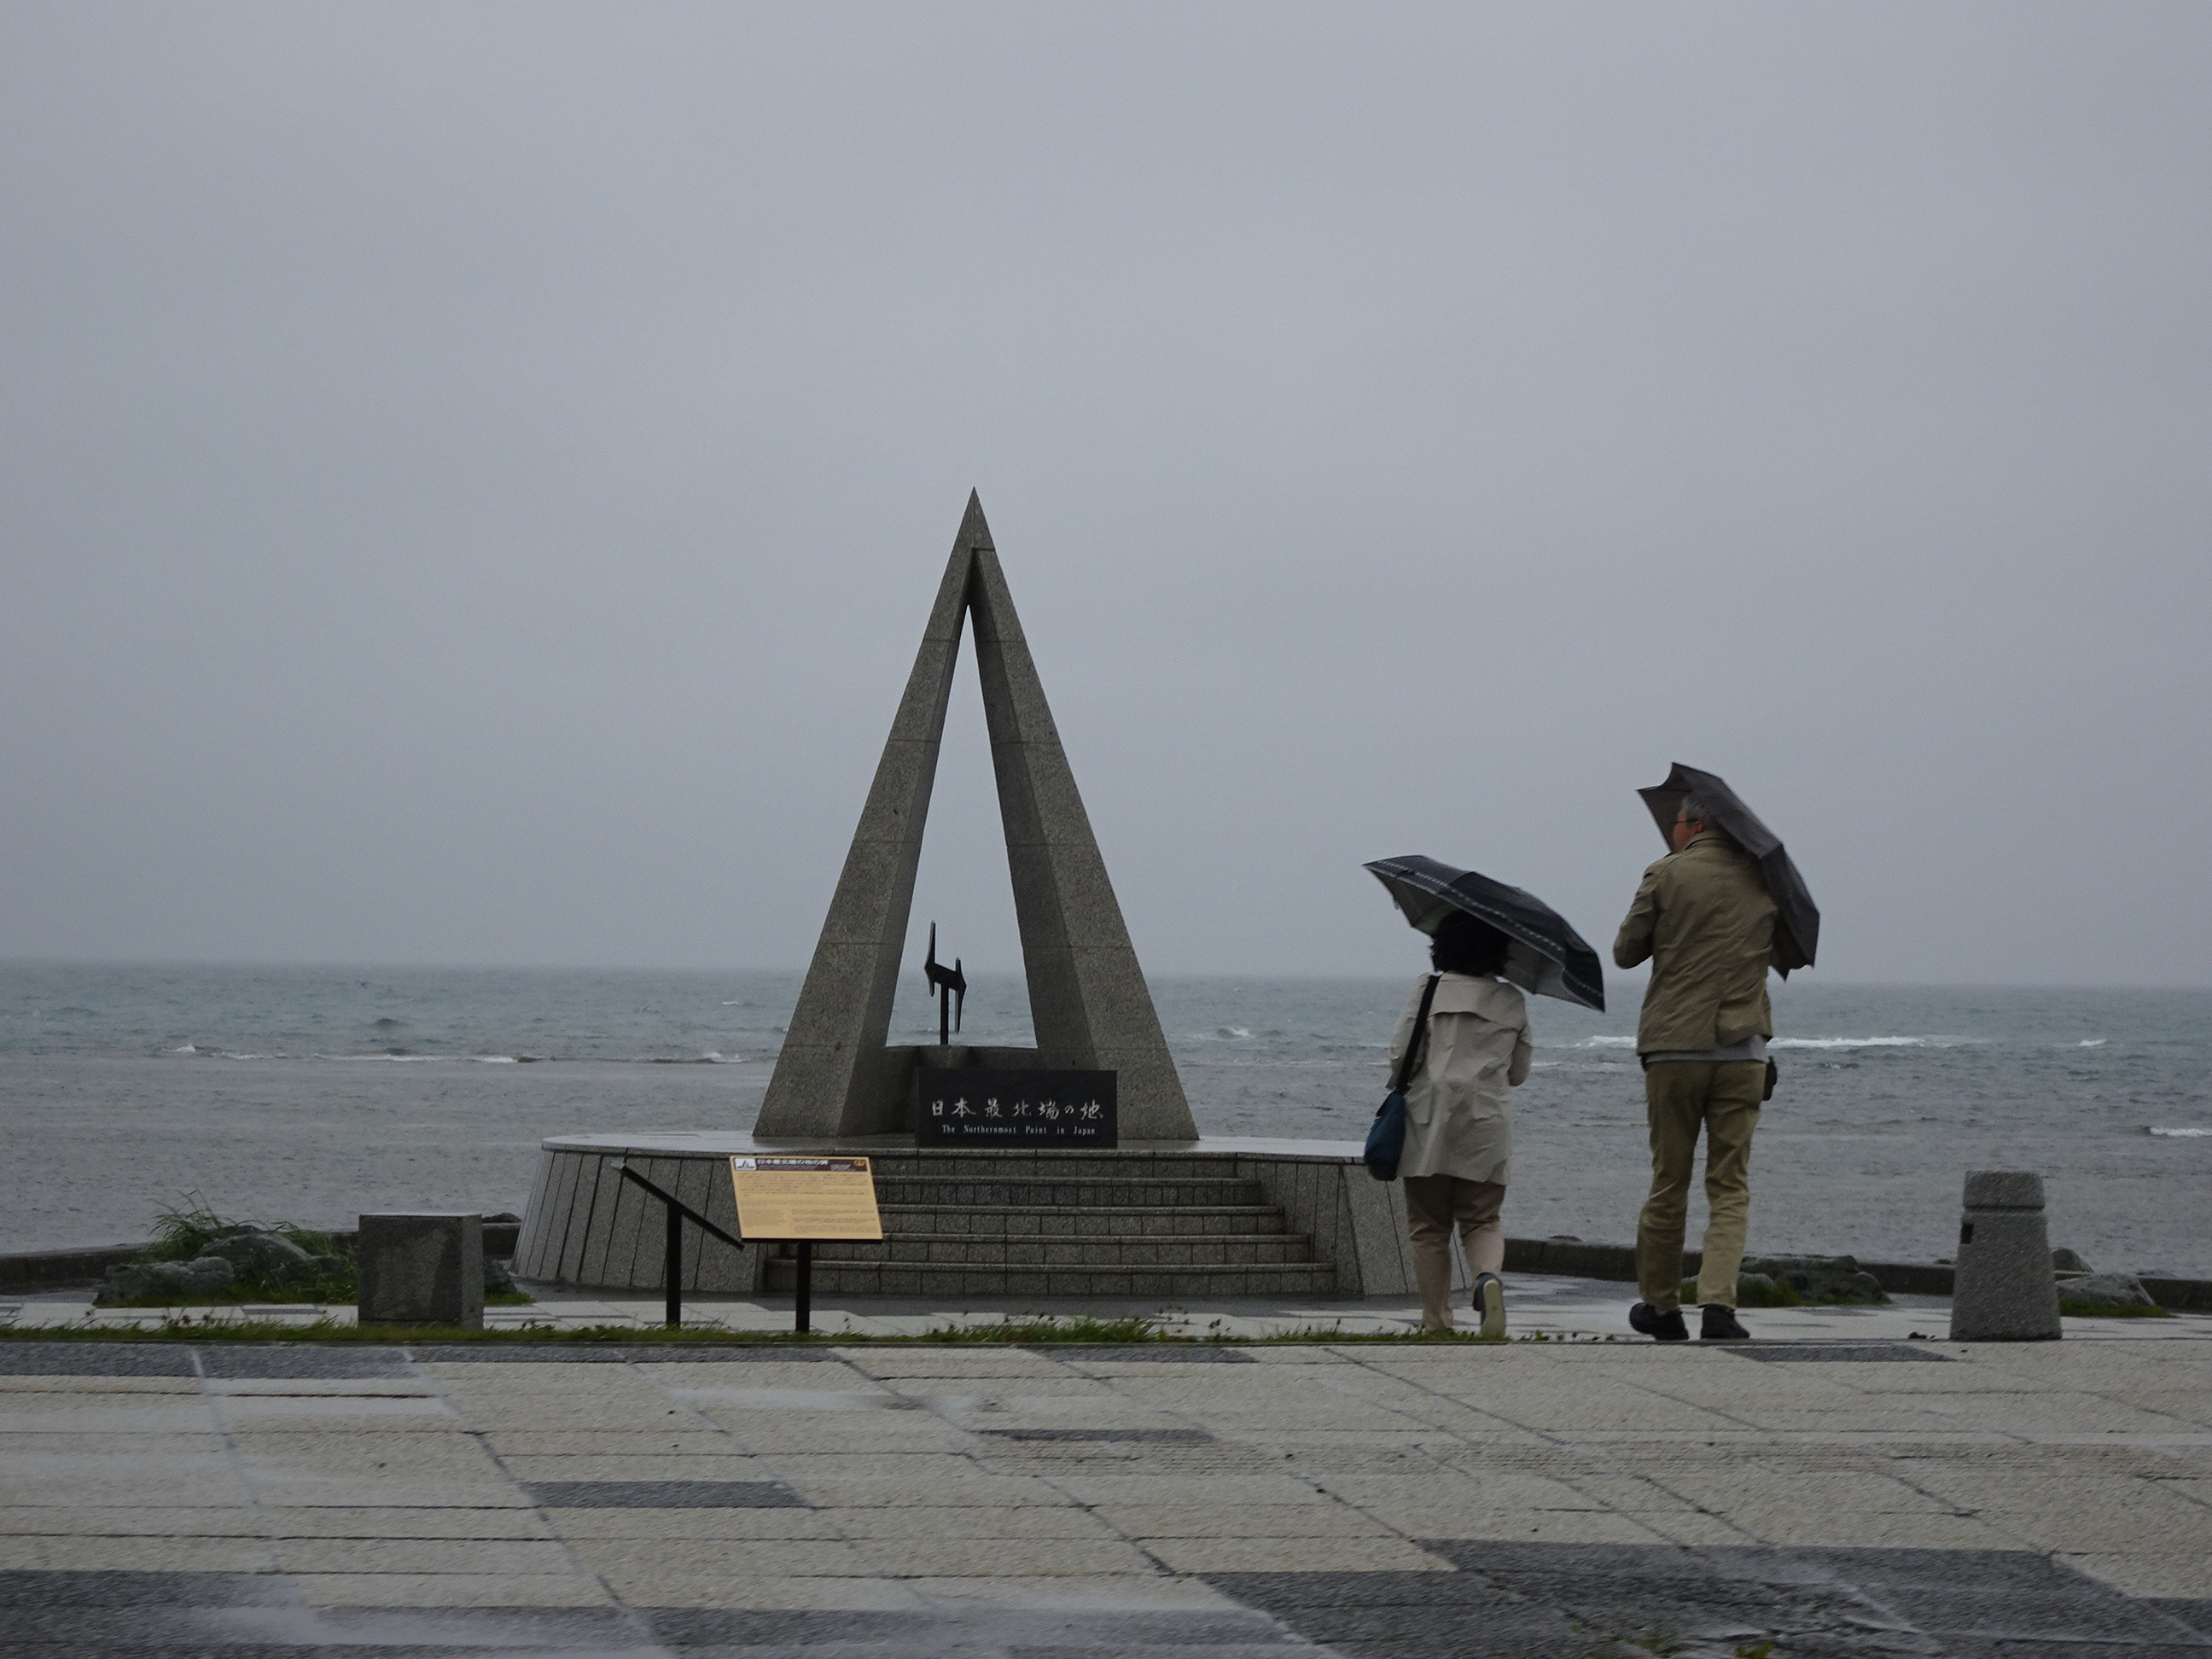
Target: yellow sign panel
x,y
806,1198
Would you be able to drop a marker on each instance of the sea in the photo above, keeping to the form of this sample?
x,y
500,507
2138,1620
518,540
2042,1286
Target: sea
x,y
312,1094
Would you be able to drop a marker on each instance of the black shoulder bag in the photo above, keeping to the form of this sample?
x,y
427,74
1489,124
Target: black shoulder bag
x,y
1386,1137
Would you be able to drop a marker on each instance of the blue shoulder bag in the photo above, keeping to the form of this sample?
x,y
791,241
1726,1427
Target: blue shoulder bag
x,y
1386,1138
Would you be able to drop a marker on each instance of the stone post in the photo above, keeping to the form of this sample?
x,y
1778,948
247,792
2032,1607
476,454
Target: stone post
x,y
420,1270
2004,1290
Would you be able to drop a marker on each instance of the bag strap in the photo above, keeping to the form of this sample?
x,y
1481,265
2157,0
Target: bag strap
x,y
1420,1034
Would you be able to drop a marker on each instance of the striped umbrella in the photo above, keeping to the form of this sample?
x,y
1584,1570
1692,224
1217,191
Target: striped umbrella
x,y
1548,958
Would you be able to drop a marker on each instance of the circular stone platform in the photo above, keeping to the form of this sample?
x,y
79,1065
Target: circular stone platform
x,y
1212,1218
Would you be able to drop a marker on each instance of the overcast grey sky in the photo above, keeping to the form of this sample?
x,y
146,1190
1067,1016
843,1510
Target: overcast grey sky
x,y
475,475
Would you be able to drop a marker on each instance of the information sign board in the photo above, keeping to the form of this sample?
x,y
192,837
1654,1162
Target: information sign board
x,y
806,1198
974,1108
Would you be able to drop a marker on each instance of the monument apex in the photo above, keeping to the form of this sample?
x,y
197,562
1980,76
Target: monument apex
x,y
1088,999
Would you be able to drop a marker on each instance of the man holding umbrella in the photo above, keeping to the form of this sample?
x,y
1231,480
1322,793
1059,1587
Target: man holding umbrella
x,y
1712,917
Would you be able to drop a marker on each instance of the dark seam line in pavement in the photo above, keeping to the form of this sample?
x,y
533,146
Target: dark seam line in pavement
x,y
1178,1437
1165,1353
255,1507
663,1495
1890,1353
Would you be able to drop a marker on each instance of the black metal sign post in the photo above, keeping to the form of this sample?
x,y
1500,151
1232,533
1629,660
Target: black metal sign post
x,y
672,1260
803,1302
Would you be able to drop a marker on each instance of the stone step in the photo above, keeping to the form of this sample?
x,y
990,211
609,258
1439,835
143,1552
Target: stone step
x,y
1116,1249
1068,1221
1062,1191
1166,1280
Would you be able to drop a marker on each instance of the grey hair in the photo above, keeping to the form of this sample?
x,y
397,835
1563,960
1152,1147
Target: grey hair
x,y
1691,810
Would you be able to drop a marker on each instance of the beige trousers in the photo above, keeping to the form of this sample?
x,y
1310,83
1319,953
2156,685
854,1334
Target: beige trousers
x,y
1681,1097
1436,1207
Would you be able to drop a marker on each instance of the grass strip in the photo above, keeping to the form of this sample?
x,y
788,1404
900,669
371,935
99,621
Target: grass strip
x,y
1076,1330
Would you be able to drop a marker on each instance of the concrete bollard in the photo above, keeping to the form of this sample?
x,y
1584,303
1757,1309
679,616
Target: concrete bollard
x,y
2004,1290
420,1270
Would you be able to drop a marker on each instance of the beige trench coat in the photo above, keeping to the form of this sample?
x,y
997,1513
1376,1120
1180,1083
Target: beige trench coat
x,y
1458,1118
1703,918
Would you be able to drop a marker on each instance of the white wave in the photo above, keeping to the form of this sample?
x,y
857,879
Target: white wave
x,y
2092,1042
716,1057
496,1059
1233,1031
187,1049
1607,1043
2182,1134
404,1059
1864,1043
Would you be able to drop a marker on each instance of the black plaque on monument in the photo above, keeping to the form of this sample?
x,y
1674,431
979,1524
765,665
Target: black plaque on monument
x,y
986,1109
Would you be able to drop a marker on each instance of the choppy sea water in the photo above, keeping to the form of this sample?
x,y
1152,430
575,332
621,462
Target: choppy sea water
x,y
313,1094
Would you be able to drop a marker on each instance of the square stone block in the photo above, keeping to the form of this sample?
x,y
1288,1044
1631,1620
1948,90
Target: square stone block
x,y
421,1270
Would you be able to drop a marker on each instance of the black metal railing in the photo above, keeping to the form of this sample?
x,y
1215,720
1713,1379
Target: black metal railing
x,y
678,1212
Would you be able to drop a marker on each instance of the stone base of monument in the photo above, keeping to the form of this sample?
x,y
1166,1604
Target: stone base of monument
x,y
1174,1222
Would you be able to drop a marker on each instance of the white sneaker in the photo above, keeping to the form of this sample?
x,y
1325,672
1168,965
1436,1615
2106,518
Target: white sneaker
x,y
1489,1303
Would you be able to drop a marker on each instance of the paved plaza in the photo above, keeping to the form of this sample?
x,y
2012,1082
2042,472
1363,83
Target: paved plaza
x,y
1853,1491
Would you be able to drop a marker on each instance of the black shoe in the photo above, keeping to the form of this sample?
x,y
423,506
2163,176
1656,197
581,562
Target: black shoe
x,y
1721,1326
1661,1326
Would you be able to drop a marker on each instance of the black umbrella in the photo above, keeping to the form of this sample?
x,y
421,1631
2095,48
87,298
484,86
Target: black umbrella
x,y
1547,957
1797,925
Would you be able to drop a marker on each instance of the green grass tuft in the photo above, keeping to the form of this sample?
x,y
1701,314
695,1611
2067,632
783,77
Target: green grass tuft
x,y
2111,1310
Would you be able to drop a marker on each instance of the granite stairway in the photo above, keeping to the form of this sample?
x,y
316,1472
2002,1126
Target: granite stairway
x,y
1076,1226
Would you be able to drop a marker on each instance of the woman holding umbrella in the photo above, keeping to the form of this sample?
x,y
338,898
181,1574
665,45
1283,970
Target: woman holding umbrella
x,y
1459,1118
1471,1050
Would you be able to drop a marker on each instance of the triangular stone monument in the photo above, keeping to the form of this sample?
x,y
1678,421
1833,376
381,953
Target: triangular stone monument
x,y
1088,999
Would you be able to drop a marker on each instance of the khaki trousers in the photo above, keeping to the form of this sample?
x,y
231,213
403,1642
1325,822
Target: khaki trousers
x,y
1681,1097
1436,1207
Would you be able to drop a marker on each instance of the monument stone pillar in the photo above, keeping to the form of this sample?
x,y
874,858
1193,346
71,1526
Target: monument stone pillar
x,y
837,1075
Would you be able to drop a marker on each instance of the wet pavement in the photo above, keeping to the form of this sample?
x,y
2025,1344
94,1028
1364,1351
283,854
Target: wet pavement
x,y
1852,1491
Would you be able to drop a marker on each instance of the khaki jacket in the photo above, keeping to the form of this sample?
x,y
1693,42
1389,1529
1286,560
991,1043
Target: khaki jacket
x,y
1704,919
1458,1118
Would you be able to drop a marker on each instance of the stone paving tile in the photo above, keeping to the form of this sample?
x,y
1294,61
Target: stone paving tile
x,y
420,1555
1239,1521
2153,1572
367,1521
60,1521
147,1445
914,1522
1218,1555
714,1523
450,1590
1115,1594
960,1491
101,1553
630,1443
49,1414
1860,1528
180,1479
688,1494
322,1415
1533,1525
1021,1558
714,1595
731,1464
